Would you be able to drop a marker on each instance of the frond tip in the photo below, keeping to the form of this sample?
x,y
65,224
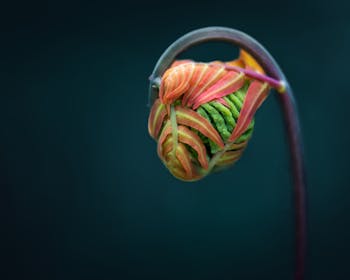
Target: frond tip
x,y
204,116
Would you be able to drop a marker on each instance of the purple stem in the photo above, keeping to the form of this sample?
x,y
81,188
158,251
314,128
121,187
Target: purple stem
x,y
277,84
287,102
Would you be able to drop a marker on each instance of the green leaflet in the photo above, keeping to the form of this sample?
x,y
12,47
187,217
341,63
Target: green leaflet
x,y
211,146
236,104
242,92
233,108
224,119
226,114
217,120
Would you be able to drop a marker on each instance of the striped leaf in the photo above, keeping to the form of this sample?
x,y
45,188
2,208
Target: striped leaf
x,y
192,119
156,118
231,82
200,72
229,158
192,139
183,155
256,94
212,75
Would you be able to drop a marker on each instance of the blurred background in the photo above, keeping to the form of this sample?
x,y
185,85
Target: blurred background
x,y
83,194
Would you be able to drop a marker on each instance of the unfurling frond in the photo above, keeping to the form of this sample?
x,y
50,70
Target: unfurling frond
x,y
203,117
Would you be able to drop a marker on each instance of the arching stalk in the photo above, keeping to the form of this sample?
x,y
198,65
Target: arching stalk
x,y
286,101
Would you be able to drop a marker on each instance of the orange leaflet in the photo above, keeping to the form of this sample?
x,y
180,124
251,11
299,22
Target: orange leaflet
x,y
256,94
193,119
156,118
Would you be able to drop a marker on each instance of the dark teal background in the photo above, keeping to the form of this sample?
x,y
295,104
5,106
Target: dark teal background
x,y
83,194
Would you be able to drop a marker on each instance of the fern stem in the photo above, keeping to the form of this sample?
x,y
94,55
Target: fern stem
x,y
287,103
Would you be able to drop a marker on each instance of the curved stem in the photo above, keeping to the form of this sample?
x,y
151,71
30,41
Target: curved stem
x,y
287,103
276,84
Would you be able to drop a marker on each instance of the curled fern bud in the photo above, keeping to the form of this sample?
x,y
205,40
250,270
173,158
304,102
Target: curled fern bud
x,y
202,113
203,118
